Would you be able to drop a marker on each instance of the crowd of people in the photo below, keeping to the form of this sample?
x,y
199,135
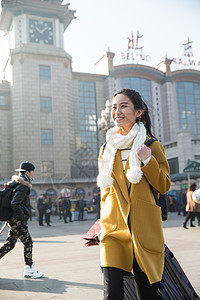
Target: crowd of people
x,y
177,203
63,208
183,204
21,212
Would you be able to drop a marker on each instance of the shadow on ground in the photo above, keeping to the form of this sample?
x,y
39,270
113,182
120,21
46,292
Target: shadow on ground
x,y
43,285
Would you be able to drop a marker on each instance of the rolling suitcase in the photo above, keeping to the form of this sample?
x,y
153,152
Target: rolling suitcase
x,y
173,286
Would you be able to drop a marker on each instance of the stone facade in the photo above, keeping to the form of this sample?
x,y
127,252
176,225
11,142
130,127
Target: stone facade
x,y
51,137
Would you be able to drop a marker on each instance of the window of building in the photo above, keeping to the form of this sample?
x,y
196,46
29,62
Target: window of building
x,y
46,136
44,72
51,193
47,169
188,105
173,165
46,104
2,100
197,157
85,164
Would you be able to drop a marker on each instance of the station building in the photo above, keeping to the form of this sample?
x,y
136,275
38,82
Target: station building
x,y
49,113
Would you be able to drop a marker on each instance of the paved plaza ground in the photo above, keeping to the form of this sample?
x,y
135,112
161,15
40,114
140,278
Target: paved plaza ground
x,y
72,270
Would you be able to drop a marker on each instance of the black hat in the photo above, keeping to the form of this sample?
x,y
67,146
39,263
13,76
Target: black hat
x,y
26,166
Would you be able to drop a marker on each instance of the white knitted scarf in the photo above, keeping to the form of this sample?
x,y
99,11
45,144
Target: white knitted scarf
x,y
136,137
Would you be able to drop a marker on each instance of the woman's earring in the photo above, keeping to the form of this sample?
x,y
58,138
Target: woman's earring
x,y
139,119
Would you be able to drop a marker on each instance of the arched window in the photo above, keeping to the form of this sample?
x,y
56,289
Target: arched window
x,y
33,194
79,191
51,193
96,191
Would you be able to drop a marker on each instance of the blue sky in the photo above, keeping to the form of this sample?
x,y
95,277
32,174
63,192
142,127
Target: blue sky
x,y
165,26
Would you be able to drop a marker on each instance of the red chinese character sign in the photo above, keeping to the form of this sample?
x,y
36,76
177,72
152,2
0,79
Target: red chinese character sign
x,y
134,50
187,60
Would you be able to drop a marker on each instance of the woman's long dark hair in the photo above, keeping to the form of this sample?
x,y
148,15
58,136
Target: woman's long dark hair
x,y
192,187
138,103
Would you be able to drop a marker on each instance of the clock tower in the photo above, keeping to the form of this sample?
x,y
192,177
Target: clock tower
x,y
41,85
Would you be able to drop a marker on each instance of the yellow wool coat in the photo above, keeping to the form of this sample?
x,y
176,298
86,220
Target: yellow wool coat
x,y
130,217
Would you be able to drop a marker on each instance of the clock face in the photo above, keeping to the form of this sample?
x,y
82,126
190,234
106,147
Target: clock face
x,y
40,32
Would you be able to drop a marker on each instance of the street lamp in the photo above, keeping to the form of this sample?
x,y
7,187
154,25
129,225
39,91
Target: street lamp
x,y
105,121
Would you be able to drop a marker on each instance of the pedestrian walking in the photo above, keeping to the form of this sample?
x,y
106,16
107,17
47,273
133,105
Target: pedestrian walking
x,y
47,210
18,227
192,207
40,208
196,198
81,206
131,226
60,208
65,204
68,209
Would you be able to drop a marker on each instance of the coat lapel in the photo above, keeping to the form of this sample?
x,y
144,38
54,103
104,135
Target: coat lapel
x,y
119,176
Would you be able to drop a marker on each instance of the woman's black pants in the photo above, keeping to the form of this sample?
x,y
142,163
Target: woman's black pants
x,y
190,216
114,287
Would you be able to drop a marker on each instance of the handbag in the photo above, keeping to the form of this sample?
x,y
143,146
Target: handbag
x,y
92,236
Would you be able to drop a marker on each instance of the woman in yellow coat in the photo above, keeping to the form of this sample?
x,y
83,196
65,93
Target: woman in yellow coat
x,y
131,225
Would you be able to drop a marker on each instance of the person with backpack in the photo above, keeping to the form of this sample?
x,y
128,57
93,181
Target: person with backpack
x,y
18,227
130,172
